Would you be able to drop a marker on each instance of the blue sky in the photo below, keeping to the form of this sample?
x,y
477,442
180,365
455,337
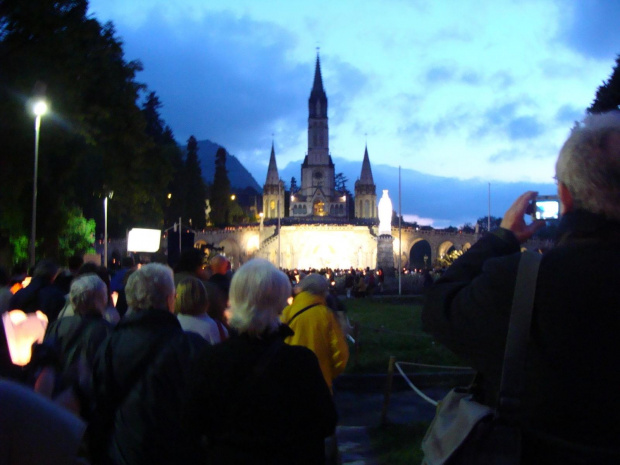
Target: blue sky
x,y
462,92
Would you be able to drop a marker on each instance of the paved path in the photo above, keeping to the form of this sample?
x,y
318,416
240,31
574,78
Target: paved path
x,y
359,411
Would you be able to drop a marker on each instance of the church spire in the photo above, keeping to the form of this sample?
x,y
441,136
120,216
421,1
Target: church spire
x,y
366,176
317,103
272,172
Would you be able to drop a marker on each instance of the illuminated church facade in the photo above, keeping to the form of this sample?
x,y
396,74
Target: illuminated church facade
x,y
318,196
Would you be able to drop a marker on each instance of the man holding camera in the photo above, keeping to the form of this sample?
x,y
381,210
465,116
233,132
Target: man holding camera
x,y
570,408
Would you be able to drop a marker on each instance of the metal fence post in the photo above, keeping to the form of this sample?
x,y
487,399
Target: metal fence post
x,y
388,390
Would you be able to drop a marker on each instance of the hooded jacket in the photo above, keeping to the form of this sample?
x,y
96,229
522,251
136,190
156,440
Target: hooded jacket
x,y
317,329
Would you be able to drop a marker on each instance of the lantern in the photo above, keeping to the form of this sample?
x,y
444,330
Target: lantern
x,y
22,330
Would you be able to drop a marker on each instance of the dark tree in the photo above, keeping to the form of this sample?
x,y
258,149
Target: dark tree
x,y
294,187
341,182
196,190
608,95
220,191
483,223
96,133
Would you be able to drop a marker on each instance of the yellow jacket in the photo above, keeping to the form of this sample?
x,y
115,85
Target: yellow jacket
x,y
318,329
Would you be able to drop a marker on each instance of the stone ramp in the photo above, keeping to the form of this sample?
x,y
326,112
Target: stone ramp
x,y
360,409
354,446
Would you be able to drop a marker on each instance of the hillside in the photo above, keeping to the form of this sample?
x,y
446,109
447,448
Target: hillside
x,y
239,176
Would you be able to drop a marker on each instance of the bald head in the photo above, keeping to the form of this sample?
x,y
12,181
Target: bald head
x,y
219,264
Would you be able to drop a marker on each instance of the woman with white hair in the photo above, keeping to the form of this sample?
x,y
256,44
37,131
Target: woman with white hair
x,y
78,337
253,398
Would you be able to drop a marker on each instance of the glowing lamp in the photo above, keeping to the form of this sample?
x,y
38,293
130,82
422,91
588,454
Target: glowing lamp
x,y
22,330
143,240
40,108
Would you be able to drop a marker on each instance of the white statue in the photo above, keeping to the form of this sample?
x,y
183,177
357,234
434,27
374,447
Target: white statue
x,y
385,214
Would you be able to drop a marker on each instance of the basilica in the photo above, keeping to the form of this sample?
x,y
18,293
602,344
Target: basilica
x,y
318,197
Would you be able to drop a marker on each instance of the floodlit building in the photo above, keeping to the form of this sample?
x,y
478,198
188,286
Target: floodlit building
x,y
318,195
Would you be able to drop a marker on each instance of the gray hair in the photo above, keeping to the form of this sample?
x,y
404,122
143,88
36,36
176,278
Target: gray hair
x,y
88,294
258,294
150,287
589,165
315,284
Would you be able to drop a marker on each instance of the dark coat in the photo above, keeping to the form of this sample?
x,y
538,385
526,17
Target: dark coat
x,y
139,381
571,408
77,337
40,294
280,416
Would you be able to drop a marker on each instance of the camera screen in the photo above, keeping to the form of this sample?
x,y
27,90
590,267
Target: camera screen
x,y
547,209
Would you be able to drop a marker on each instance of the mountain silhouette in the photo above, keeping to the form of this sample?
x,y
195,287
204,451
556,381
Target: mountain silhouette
x,y
239,176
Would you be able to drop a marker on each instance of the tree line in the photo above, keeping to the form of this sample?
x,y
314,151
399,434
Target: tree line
x,y
103,135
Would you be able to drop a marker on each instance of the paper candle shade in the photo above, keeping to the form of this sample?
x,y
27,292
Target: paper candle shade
x,y
22,330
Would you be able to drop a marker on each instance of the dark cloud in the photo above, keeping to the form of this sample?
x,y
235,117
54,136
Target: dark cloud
x,y
502,80
229,79
342,82
524,127
503,156
568,114
439,74
443,74
471,78
504,119
591,27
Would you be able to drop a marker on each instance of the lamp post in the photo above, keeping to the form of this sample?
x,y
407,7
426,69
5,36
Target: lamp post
x,y
40,108
108,195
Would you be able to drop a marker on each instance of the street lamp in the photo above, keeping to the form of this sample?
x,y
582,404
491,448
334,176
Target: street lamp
x,y
39,108
108,195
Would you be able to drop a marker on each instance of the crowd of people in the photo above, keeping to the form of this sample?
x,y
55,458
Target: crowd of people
x,y
197,366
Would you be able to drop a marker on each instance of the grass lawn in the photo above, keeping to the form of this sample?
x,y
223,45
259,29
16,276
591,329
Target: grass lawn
x,y
399,444
392,326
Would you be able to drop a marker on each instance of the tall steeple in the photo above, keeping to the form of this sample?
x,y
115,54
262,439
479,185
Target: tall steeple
x,y
273,190
317,103
365,191
366,175
272,172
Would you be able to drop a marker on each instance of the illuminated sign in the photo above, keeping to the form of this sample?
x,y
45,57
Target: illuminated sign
x,y
143,240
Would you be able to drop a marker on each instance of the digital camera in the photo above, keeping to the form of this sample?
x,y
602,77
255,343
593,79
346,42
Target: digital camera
x,y
545,207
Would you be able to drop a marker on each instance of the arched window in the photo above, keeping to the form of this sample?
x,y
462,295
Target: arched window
x,y
366,209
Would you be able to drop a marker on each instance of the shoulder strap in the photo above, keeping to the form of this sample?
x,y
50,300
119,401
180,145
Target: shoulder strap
x,y
513,370
300,312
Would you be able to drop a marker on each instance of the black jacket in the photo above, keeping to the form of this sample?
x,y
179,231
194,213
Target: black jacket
x,y
571,408
139,380
279,416
76,338
40,294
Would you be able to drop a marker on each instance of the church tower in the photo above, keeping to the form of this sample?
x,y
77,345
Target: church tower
x,y
365,191
273,190
317,170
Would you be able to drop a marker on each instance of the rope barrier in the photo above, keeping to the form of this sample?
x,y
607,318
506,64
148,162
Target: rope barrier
x,y
414,387
388,391
445,367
